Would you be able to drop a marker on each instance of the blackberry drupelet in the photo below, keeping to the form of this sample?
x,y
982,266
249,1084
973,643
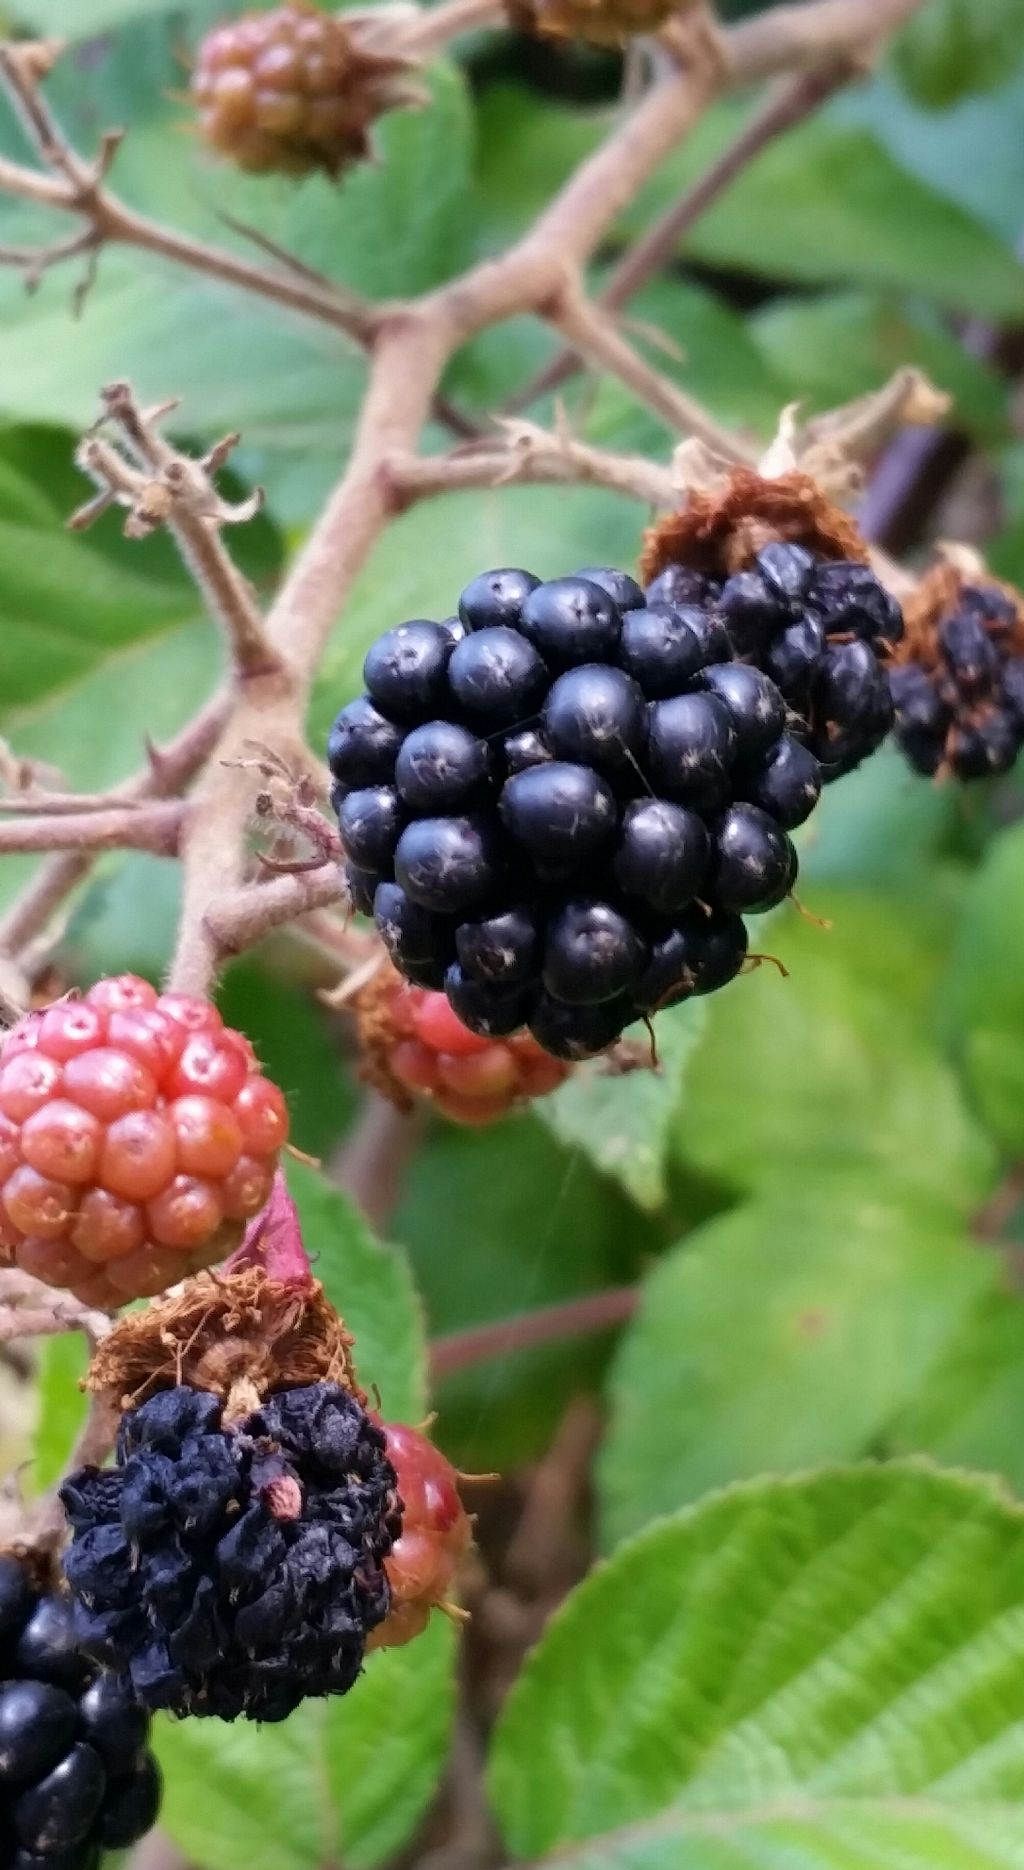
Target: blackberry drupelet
x,y
958,685
76,1776
824,631
603,787
786,574
235,1567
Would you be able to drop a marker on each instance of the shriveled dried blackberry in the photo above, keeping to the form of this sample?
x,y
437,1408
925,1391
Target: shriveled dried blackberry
x,y
235,1566
958,684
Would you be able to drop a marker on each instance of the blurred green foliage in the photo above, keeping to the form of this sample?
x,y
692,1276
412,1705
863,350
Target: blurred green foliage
x,y
798,1188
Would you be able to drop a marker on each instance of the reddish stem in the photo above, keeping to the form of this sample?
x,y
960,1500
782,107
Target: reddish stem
x,y
595,1311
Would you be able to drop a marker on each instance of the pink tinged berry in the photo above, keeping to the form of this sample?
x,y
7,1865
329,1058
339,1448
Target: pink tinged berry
x,y
139,1155
56,1263
121,994
10,1147
109,1083
416,1561
216,1065
147,1271
414,1064
96,1292
37,1204
27,1082
538,1077
185,1213
71,1027
194,1014
149,1036
491,1073
263,1116
402,1625
24,1037
440,1028
107,1227
208,1135
474,1112
247,1189
62,1140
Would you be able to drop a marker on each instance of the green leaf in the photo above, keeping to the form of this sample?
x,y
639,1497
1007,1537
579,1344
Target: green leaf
x,y
372,1288
836,1064
879,826
986,990
711,353
245,1797
103,641
386,1744
347,1777
623,1123
827,1670
841,345
953,48
792,1331
499,1222
826,203
60,1405
295,1044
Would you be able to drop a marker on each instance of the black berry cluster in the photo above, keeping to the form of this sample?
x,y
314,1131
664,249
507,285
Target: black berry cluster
x,y
76,1778
558,805
235,1570
959,694
823,629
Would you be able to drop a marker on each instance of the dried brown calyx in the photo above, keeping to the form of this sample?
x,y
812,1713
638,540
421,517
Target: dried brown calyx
x,y
260,1325
597,22
720,530
381,1022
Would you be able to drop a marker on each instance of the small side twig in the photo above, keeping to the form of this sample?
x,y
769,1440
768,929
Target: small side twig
x,y
526,453
597,338
136,827
595,1311
160,487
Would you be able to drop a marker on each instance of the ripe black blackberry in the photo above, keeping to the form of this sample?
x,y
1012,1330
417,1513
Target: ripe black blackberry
x,y
566,843
958,685
803,606
76,1776
235,1566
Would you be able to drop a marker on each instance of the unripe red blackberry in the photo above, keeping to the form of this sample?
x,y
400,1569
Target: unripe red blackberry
x,y
137,1136
436,1534
413,1044
76,1775
292,89
958,682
